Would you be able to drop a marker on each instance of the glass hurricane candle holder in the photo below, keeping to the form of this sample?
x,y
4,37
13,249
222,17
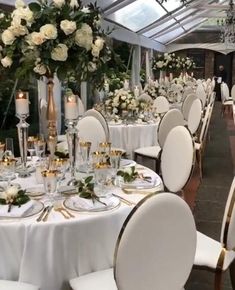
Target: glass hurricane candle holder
x,y
22,112
71,120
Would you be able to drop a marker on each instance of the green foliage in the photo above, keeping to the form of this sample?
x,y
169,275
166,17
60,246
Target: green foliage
x,y
128,176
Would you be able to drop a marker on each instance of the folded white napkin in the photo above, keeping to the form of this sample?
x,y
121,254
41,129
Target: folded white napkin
x,y
113,122
15,210
87,204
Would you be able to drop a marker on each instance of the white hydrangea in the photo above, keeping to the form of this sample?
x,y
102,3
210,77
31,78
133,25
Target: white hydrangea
x,y
99,42
49,31
68,27
60,52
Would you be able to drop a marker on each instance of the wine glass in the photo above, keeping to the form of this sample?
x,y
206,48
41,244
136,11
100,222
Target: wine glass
x,y
50,178
61,165
40,146
105,147
8,169
31,146
9,148
103,178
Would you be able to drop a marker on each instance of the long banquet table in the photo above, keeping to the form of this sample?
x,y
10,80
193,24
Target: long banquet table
x,y
50,253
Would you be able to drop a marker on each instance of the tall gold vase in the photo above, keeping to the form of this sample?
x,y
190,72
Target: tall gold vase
x,y
51,118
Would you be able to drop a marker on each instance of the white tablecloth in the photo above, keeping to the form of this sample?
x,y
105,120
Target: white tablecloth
x,y
50,253
131,137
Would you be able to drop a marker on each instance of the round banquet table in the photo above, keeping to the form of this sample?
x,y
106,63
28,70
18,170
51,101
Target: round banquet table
x,y
49,254
132,136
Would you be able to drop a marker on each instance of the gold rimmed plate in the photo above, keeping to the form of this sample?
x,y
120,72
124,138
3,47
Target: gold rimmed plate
x,y
35,209
77,204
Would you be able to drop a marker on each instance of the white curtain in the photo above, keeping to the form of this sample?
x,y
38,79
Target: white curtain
x,y
135,70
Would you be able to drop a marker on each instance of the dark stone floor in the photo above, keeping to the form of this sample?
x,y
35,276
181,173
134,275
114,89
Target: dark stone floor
x,y
212,193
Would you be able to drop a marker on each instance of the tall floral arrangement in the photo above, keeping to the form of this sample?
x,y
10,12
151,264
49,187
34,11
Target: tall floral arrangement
x,y
60,36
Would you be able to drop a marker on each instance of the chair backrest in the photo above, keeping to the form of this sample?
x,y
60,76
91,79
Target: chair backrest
x,y
170,120
201,94
90,129
81,108
228,224
213,84
187,91
187,103
195,116
177,158
96,114
202,134
156,245
233,92
161,104
224,92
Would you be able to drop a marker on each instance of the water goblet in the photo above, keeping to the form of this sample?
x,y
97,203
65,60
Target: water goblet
x,y
50,178
61,165
31,146
85,149
105,147
103,178
40,146
8,169
9,148
97,157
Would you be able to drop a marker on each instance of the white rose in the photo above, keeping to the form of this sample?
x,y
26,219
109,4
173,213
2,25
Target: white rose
x,y
40,69
60,52
123,98
49,31
83,37
18,30
73,4
22,13
8,37
19,3
37,38
59,3
99,42
91,66
12,191
95,51
97,22
68,27
6,61
2,15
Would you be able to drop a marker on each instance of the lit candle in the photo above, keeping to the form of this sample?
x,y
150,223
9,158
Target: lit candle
x,y
22,103
136,92
71,107
192,74
126,85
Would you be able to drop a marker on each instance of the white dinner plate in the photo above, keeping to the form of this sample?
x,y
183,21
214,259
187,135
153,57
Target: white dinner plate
x,y
36,208
140,183
127,163
73,204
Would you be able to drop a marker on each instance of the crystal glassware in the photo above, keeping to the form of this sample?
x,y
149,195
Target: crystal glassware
x,y
40,146
8,169
9,148
32,146
50,178
98,157
103,178
85,150
105,147
61,165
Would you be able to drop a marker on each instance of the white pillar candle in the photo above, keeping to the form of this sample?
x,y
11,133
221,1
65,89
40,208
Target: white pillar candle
x,y
71,107
126,85
22,103
136,92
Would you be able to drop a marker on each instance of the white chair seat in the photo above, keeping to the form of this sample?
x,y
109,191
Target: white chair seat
x,y
101,280
208,252
13,285
150,151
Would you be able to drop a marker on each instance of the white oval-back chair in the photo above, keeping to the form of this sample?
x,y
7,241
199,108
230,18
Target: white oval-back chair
x,y
219,256
227,101
177,159
195,116
201,94
187,103
14,285
155,249
161,105
90,129
171,119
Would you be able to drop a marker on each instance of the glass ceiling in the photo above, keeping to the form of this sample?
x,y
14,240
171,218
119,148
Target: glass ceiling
x,y
161,23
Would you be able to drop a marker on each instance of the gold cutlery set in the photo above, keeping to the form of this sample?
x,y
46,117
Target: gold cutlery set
x,y
47,210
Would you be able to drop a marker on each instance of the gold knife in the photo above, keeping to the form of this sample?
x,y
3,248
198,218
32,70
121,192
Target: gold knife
x,y
42,214
128,202
47,213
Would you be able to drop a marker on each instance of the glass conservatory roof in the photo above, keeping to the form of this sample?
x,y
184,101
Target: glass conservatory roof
x,y
156,22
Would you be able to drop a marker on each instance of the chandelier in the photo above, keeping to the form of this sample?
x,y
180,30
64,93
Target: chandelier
x,y
227,25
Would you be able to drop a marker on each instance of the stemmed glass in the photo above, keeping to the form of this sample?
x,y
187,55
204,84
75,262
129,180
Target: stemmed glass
x,y
115,159
9,148
40,146
50,178
103,178
7,166
61,165
85,149
31,146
